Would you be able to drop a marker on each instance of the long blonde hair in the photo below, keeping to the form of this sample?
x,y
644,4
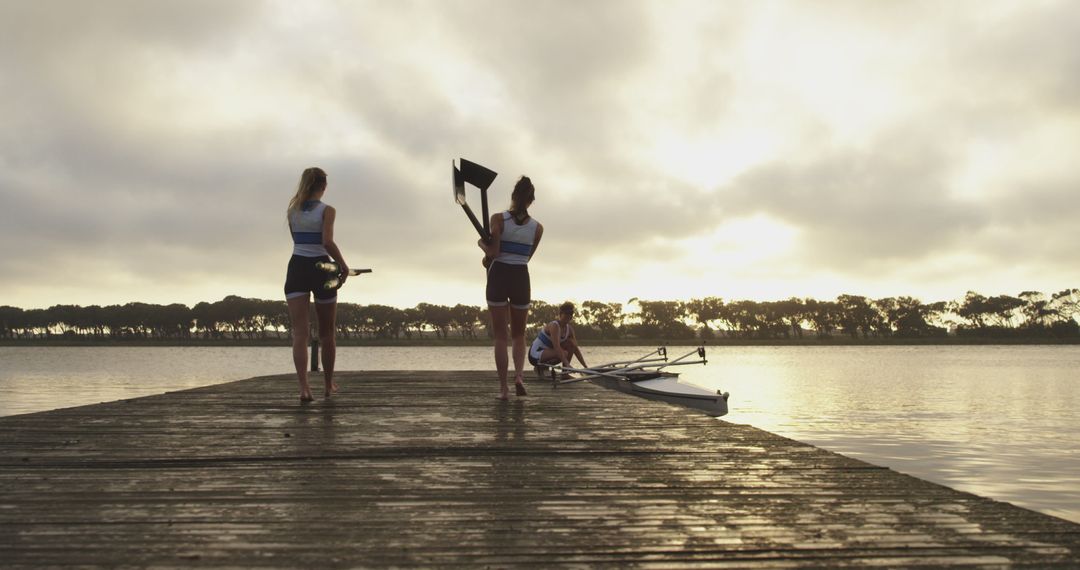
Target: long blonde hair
x,y
311,181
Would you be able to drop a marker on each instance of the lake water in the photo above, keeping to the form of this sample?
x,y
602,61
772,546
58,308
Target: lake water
x,y
998,421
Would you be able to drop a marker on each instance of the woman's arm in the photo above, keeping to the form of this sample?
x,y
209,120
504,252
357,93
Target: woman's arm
x,y
577,349
491,248
555,333
329,214
536,242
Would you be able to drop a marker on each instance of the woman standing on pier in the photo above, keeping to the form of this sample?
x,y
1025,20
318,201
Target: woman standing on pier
x,y
311,222
515,236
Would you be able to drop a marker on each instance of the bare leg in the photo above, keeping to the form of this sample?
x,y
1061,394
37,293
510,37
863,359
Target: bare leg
x,y
327,313
498,328
298,315
518,318
551,356
571,349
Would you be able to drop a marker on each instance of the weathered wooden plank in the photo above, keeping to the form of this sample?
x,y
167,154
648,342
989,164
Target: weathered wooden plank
x,y
406,468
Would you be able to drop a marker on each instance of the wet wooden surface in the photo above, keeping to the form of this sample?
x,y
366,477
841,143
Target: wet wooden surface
x,y
427,468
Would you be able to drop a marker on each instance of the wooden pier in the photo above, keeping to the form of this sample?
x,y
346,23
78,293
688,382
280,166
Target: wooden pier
x,y
428,468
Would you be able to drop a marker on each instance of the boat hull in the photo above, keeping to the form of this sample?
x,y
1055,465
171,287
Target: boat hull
x,y
665,387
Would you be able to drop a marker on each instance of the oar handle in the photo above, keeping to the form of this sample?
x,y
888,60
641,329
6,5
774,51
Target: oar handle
x,y
480,229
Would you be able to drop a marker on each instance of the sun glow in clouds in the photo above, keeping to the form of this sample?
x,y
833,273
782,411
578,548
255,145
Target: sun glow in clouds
x,y
729,261
683,149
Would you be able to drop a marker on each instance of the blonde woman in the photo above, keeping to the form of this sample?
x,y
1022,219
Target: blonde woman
x,y
311,222
514,238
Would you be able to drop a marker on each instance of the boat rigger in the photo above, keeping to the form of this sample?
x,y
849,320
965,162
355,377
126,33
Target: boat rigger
x,y
647,377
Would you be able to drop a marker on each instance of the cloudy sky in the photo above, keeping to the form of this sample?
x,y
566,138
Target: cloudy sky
x,y
747,150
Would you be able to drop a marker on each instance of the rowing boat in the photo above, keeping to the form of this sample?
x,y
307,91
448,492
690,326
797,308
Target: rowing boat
x,y
665,387
646,378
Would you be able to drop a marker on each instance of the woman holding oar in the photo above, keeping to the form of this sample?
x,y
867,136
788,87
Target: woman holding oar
x,y
515,236
311,222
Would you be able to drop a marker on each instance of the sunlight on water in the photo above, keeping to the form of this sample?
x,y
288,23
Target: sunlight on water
x,y
998,421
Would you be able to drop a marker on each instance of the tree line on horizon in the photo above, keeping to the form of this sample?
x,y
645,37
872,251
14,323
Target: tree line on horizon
x,y
1029,314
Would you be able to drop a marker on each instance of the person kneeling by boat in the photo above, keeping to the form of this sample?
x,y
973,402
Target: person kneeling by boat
x,y
545,350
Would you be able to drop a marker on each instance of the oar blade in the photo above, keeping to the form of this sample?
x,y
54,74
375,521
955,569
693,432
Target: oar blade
x,y
459,185
477,175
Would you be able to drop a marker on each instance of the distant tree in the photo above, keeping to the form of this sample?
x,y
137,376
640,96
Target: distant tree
x,y
413,322
540,314
1066,304
1031,314
909,317
705,312
205,320
11,319
37,323
60,317
975,309
383,321
858,315
663,319
786,317
744,317
437,317
1036,310
824,316
606,318
1004,310
466,319
350,320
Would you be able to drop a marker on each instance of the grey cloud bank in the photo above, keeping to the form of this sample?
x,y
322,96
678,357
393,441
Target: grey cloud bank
x,y
158,142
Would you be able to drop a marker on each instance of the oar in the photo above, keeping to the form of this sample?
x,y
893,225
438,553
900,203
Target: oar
x,y
700,351
622,366
333,271
589,374
481,178
661,351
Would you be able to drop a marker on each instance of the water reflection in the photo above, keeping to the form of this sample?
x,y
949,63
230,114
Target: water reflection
x,y
996,421
509,421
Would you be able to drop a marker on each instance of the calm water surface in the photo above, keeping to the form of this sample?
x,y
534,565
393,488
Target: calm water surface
x,y
998,421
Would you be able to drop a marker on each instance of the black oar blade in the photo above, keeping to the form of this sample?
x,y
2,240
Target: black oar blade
x,y
480,177
459,185
477,175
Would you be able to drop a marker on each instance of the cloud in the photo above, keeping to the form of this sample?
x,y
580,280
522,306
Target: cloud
x,y
887,202
160,141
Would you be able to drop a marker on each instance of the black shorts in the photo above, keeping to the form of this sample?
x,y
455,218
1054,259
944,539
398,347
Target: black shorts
x,y
508,284
303,278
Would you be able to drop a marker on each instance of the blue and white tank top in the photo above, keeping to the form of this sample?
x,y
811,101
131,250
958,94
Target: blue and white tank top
x,y
516,243
545,340
307,226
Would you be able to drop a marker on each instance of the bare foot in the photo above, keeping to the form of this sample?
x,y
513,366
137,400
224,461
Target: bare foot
x,y
332,389
306,397
504,390
519,386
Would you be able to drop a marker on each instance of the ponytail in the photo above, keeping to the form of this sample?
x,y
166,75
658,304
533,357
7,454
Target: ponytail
x,y
520,200
311,181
